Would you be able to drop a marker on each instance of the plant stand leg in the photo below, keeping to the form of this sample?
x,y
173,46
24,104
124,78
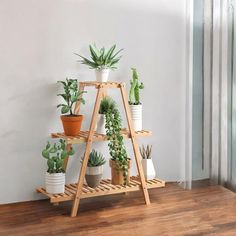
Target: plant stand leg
x,y
78,103
86,154
68,147
135,145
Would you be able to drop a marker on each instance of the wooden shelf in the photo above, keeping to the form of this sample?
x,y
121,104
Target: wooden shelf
x,y
105,188
101,84
83,136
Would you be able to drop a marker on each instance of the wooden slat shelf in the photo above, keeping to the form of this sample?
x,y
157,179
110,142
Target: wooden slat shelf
x,y
105,188
100,84
83,136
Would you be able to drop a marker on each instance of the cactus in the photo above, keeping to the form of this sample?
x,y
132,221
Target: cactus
x,y
135,86
55,155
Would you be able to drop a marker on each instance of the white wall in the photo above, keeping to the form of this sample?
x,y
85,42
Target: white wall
x,y
37,41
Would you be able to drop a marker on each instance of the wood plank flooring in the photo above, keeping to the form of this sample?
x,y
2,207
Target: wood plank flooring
x,y
207,210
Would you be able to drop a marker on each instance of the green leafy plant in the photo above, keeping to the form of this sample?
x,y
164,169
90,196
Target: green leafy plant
x,y
146,151
101,58
116,142
71,95
95,159
106,104
55,155
135,86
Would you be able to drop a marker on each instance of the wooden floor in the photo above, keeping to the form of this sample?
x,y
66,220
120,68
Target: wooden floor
x,y
203,211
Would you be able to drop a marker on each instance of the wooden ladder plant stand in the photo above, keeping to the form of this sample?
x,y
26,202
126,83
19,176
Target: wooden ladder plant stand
x,y
77,191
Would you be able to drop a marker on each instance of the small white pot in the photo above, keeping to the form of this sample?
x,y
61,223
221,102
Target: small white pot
x,y
93,176
101,124
148,169
102,75
136,114
55,183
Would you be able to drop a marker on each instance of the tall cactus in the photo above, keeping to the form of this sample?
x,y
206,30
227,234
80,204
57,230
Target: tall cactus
x,y
135,86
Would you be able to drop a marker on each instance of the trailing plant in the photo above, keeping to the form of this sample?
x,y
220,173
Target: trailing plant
x,y
55,155
135,86
101,58
71,95
146,151
106,104
95,159
116,142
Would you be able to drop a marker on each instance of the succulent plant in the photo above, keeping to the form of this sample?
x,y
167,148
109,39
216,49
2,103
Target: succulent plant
x,y
71,95
95,159
55,155
116,141
135,86
101,58
106,104
146,151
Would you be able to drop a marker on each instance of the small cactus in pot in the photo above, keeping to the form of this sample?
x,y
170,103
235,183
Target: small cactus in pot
x,y
55,176
134,100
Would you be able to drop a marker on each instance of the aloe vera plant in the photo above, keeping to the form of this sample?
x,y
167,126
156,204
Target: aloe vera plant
x,y
55,155
95,159
101,58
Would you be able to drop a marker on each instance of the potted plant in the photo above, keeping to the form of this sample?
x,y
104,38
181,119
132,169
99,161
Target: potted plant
x,y
55,175
134,100
102,61
119,162
147,163
94,169
106,104
71,122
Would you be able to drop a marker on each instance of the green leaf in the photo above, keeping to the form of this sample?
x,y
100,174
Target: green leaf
x,y
65,96
62,82
74,98
48,145
93,53
65,109
109,53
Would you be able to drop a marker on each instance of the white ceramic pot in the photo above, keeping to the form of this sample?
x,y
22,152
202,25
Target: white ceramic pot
x,y
55,183
101,124
93,176
136,114
102,75
148,169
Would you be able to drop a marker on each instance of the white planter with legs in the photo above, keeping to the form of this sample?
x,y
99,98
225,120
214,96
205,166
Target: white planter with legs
x,y
55,183
136,114
148,169
101,124
102,75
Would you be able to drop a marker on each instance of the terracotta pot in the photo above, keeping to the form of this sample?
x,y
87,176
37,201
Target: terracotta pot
x,y
117,177
72,124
